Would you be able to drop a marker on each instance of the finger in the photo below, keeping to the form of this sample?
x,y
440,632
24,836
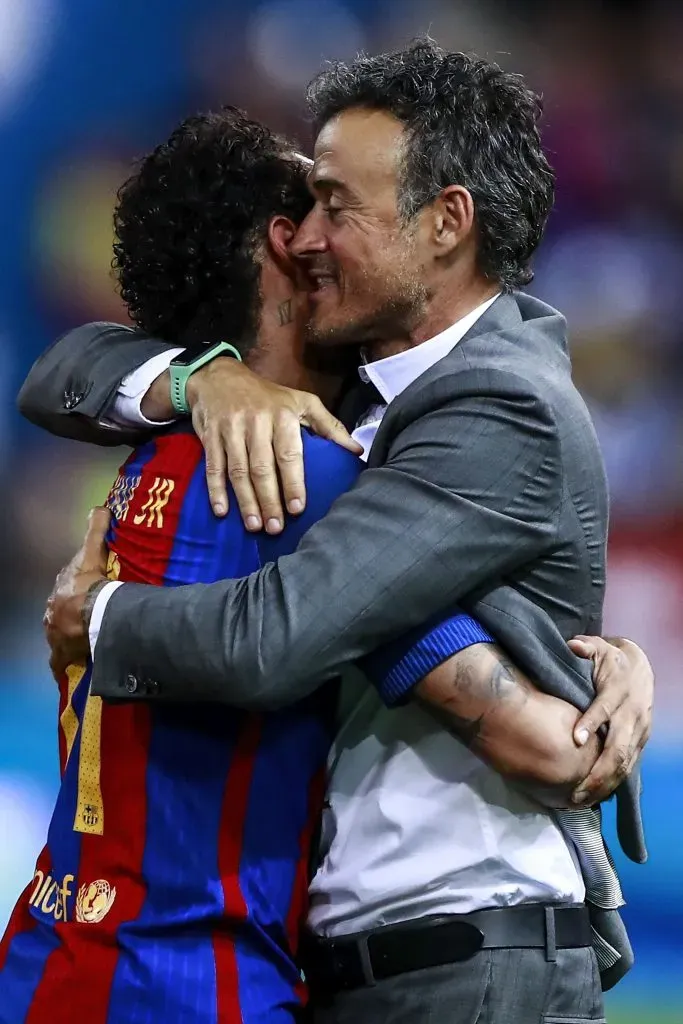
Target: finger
x,y
263,472
289,455
597,715
216,469
314,415
94,552
235,446
583,647
608,772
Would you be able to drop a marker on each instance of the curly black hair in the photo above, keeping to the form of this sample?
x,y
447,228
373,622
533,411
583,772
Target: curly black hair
x,y
467,122
189,222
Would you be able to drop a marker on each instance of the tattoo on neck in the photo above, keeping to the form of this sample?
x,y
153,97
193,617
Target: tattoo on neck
x,y
284,311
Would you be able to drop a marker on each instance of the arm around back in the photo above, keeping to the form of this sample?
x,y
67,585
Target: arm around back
x,y
470,492
72,386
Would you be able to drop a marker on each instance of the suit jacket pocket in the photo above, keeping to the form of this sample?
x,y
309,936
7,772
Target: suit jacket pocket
x,y
573,1020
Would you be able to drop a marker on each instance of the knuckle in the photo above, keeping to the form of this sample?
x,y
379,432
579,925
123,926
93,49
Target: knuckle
x,y
257,419
622,761
261,470
289,456
285,418
237,472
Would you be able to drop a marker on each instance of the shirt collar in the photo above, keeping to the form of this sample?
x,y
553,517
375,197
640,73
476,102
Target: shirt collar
x,y
394,374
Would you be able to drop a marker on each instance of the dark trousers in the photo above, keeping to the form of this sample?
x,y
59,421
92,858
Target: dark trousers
x,y
497,986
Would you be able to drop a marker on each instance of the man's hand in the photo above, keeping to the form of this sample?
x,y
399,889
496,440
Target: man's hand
x,y
251,431
65,623
624,685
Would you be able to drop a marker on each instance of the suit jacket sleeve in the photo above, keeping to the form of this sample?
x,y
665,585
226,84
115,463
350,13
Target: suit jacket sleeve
x,y
70,388
470,491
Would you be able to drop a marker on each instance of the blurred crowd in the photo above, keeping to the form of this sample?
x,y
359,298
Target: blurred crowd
x,y
85,88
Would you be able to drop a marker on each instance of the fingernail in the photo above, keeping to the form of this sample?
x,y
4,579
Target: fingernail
x,y
295,506
219,508
253,523
582,737
578,798
273,526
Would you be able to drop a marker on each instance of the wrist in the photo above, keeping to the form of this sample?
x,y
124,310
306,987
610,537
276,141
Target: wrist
x,y
186,365
198,380
91,596
156,404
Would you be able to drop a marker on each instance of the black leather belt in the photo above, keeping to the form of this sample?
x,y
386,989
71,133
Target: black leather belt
x,y
358,960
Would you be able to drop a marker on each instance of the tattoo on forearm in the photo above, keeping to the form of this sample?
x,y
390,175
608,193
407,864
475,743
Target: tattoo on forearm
x,y
485,688
503,683
285,312
467,730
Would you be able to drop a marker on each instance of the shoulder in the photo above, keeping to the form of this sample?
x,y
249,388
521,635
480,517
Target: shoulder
x,y
327,460
330,471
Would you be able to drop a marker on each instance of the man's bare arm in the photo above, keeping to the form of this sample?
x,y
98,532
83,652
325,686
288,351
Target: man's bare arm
x,y
497,712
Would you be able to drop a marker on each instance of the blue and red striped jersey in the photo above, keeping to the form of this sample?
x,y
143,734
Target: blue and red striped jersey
x,y
173,884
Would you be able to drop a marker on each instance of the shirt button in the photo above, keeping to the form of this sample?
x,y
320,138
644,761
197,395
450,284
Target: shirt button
x,y
131,684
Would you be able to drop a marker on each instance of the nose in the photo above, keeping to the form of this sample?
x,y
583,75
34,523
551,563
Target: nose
x,y
310,238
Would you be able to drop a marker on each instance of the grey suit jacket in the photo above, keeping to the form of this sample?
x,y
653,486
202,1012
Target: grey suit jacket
x,y
485,488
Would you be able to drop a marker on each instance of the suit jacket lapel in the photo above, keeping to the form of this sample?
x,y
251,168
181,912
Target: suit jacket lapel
x,y
502,316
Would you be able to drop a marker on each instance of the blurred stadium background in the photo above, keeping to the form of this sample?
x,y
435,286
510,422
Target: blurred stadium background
x,y
85,87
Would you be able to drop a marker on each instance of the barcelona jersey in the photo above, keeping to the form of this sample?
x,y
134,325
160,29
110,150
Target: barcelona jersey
x,y
173,884
174,878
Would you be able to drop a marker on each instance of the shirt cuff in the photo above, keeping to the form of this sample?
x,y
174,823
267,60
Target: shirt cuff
x,y
395,682
98,610
126,410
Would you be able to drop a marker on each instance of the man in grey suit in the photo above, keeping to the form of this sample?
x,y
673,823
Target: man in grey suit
x,y
485,487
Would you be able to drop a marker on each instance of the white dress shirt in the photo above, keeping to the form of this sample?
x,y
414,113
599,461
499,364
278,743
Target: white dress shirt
x,y
415,824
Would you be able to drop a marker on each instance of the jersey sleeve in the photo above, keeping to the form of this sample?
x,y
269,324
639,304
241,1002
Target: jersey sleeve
x,y
397,668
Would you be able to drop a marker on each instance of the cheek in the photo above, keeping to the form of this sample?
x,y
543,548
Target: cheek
x,y
347,249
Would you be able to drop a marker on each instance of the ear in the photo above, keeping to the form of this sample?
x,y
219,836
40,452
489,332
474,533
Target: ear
x,y
281,231
453,218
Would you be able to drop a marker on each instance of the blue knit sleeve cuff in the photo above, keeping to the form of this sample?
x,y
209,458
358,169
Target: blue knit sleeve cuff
x,y
397,668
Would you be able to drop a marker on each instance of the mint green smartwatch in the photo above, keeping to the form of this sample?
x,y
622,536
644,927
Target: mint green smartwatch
x,y
187,363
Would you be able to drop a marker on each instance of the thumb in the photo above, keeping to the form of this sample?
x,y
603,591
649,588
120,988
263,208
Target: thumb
x,y
94,550
324,424
583,647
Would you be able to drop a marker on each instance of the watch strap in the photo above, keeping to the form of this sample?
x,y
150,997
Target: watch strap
x,y
181,373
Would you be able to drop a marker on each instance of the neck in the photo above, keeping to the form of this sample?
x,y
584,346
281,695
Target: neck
x,y
443,309
281,356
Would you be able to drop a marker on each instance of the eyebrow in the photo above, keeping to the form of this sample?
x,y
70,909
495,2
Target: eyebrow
x,y
326,183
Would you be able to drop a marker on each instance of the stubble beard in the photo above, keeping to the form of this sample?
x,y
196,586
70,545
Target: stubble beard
x,y
393,319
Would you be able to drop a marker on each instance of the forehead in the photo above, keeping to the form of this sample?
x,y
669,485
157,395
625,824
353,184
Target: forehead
x,y
359,148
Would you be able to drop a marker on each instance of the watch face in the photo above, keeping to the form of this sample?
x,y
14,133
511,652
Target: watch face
x,y
190,354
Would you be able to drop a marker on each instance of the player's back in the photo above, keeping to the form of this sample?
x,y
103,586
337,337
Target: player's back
x,y
175,875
